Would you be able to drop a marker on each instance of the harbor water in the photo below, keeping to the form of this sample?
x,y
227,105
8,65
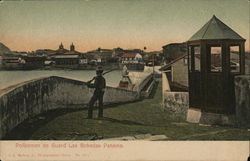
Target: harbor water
x,y
8,78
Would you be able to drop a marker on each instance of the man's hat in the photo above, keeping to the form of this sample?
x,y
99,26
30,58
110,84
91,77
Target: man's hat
x,y
99,69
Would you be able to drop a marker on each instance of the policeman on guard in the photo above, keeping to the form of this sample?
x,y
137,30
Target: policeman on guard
x,y
99,85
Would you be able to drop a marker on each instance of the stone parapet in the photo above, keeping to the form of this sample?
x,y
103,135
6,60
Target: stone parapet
x,y
177,102
28,99
242,100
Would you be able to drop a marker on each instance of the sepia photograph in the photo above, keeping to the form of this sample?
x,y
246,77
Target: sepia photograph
x,y
112,73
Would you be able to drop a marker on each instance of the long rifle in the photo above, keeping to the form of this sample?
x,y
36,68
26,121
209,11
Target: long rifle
x,y
108,71
102,74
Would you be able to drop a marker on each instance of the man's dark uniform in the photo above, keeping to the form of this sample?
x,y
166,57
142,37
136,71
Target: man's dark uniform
x,y
99,86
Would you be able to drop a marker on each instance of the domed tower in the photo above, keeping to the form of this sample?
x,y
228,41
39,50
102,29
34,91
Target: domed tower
x,y
61,46
72,47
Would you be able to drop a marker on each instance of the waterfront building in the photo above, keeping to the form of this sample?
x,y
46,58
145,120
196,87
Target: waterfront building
x,y
32,62
10,62
117,52
20,53
70,60
43,52
65,60
173,51
22,62
101,55
153,58
49,62
131,58
133,61
91,59
134,51
16,60
59,51
83,60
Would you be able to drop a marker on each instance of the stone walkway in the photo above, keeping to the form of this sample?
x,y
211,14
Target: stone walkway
x,y
145,137
204,134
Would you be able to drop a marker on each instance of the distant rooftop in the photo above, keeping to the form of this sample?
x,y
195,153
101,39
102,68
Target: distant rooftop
x,y
67,56
71,52
175,44
129,55
4,49
215,29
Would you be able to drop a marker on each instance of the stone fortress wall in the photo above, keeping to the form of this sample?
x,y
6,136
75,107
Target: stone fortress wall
x,y
30,98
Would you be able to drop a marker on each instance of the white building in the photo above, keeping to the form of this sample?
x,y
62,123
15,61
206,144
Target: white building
x,y
131,58
83,61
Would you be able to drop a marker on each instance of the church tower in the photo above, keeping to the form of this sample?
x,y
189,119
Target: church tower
x,y
61,46
72,47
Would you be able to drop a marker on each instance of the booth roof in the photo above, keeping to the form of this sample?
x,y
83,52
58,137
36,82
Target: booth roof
x,y
215,29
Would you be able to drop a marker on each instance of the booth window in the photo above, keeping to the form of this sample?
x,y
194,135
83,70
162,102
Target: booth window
x,y
235,59
189,57
185,60
197,58
215,59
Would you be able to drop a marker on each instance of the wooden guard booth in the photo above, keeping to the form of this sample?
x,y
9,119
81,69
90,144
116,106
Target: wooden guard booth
x,y
212,65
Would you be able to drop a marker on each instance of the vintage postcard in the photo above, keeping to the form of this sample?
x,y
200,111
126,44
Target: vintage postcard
x,y
124,80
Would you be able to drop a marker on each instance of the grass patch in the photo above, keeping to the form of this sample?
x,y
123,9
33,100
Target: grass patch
x,y
146,116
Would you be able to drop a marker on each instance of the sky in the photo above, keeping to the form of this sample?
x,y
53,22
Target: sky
x,y
27,25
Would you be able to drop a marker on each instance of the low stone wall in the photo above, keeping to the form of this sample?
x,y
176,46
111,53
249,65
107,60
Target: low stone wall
x,y
242,100
140,80
165,83
144,82
177,102
20,102
196,116
150,86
